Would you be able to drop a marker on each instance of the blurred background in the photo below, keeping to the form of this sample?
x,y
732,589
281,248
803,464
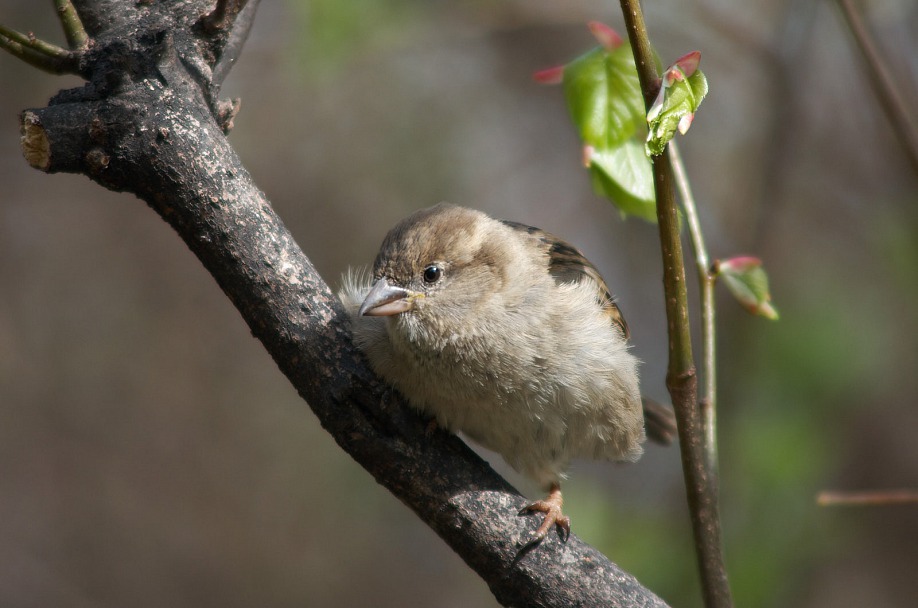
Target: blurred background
x,y
151,454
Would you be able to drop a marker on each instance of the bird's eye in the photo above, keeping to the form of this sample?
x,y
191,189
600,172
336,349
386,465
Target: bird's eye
x,y
432,273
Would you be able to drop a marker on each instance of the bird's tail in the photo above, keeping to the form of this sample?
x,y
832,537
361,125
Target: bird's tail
x,y
659,421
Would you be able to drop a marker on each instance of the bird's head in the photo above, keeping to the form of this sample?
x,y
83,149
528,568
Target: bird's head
x,y
438,266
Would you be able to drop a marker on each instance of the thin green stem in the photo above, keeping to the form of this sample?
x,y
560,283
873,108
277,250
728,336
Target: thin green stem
x,y
700,483
36,44
706,280
38,53
73,26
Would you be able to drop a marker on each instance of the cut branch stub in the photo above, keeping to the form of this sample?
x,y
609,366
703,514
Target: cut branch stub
x,y
34,141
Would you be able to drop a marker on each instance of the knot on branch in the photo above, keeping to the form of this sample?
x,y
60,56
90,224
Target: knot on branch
x,y
97,160
118,61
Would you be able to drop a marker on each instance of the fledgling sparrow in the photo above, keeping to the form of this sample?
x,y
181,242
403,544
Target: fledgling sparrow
x,y
508,334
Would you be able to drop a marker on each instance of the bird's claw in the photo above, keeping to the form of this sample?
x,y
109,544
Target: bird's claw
x,y
431,428
551,507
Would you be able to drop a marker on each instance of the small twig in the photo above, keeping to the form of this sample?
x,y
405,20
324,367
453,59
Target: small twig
x,y
877,498
700,483
31,42
708,328
222,15
73,26
243,19
884,85
43,55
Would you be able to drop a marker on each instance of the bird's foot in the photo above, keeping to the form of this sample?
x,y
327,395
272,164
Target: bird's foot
x,y
551,507
432,427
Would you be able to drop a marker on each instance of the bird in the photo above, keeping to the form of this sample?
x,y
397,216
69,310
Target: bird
x,y
508,334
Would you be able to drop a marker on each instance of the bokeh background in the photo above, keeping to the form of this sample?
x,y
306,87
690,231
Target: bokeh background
x,y
151,454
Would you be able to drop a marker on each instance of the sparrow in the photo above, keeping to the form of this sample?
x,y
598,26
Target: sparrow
x,y
510,335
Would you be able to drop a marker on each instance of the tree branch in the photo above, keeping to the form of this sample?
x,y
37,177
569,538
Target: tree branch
x,y
706,280
178,160
681,380
884,85
879,498
38,53
73,27
225,29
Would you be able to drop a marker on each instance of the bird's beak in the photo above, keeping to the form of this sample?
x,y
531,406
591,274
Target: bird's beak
x,y
385,300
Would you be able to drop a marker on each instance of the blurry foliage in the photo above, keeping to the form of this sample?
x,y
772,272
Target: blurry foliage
x,y
332,33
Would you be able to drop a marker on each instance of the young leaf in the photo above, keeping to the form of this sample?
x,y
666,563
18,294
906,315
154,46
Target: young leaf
x,y
682,89
747,281
604,96
552,75
623,175
605,35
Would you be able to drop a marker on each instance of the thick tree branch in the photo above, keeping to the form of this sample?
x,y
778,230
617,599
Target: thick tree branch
x,y
144,124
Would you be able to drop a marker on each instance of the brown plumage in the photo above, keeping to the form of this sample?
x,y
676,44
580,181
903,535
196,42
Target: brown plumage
x,y
507,334
568,265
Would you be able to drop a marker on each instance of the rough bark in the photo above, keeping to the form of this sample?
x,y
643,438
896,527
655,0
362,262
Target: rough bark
x,y
148,122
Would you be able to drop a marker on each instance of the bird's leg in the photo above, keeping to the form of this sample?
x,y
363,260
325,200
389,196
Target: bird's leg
x,y
551,506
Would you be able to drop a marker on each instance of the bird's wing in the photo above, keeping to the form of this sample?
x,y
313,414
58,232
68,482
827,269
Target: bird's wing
x,y
568,265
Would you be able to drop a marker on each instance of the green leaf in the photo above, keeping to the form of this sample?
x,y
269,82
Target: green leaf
x,y
683,87
748,282
623,174
604,96
699,85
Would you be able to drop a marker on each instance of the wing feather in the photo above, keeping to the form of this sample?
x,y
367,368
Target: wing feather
x,y
567,264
